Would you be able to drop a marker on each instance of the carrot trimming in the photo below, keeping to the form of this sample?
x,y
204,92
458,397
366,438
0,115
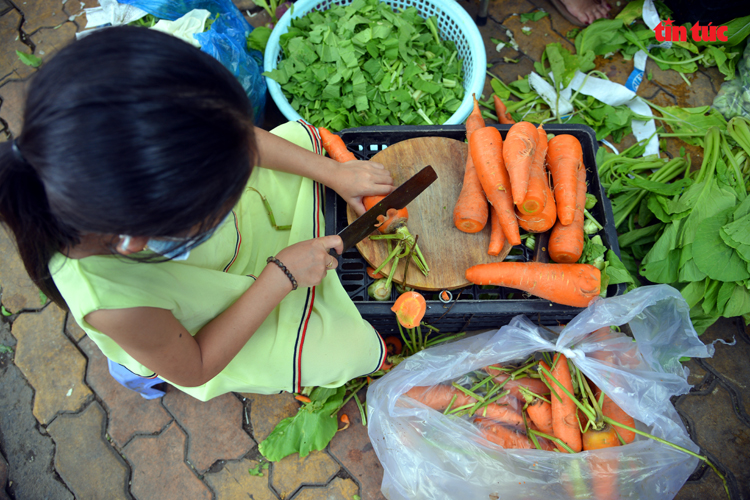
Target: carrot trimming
x,y
566,242
486,149
393,218
568,284
519,149
502,112
536,195
564,420
497,237
564,159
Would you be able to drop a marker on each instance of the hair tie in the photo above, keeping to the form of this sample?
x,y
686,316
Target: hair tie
x,y
17,152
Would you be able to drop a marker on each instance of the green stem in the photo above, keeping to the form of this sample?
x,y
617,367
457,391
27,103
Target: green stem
x,y
362,415
439,340
555,440
453,400
586,411
354,391
590,217
468,392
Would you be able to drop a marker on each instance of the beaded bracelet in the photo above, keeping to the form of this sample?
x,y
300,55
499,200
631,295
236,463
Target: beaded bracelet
x,y
283,268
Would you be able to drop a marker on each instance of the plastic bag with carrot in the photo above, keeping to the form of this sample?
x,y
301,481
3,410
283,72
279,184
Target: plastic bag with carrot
x,y
489,416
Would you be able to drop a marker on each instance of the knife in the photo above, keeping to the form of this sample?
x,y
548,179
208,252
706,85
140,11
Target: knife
x,y
398,199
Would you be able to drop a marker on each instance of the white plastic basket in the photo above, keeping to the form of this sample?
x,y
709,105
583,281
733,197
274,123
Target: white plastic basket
x,y
454,24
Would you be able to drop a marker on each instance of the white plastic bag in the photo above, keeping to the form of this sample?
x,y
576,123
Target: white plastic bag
x,y
427,455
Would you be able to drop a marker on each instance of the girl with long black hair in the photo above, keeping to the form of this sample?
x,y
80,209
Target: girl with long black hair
x,y
134,195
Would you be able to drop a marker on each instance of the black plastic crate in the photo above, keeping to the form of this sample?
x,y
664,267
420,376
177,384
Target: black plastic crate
x,y
472,307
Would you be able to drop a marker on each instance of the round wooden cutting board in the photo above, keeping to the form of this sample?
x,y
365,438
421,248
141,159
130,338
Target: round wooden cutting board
x,y
448,251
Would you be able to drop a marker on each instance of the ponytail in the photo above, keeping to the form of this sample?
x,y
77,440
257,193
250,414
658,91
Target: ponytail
x,y
24,209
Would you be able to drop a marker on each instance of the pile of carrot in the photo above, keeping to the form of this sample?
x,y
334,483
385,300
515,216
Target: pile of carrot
x,y
544,404
507,183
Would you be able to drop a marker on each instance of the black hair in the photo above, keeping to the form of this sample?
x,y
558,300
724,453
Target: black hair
x,y
126,131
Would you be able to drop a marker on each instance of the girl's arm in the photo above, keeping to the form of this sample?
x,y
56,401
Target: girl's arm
x,y
155,338
351,180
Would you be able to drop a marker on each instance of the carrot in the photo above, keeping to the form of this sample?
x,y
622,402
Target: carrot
x,y
438,397
345,421
372,274
611,410
540,412
497,237
542,221
603,469
335,146
503,436
518,153
568,284
535,385
486,148
506,410
502,114
564,159
596,439
566,242
536,195
475,121
471,210
564,421
392,220
302,399
410,308
393,345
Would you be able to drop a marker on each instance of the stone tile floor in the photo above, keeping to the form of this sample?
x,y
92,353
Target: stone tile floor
x,y
68,430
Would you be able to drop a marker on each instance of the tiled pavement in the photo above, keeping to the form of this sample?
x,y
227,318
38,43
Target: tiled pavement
x,y
68,430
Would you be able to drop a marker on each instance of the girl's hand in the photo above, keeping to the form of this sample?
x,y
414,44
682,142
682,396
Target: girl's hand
x,y
309,260
355,179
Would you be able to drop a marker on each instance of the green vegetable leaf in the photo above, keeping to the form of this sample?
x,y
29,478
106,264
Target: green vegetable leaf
x,y
533,16
712,256
29,59
258,38
631,12
618,273
5,349
42,297
4,311
600,37
312,428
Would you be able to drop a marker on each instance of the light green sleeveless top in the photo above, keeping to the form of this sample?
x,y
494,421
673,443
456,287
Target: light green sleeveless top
x,y
315,337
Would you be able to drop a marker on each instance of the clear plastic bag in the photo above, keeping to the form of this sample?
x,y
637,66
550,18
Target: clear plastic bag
x,y
428,455
225,40
733,98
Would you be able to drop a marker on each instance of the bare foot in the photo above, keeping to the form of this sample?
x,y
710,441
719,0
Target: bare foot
x,y
587,11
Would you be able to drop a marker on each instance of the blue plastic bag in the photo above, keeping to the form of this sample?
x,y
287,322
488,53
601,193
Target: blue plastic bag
x,y
226,40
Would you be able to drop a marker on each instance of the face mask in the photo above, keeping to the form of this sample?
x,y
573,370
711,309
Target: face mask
x,y
175,248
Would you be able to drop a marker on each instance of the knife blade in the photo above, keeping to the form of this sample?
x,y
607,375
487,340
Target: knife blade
x,y
398,199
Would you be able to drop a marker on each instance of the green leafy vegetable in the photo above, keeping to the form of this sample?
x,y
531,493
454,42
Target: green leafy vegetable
x,y
258,38
311,428
4,311
533,16
29,59
364,64
5,349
